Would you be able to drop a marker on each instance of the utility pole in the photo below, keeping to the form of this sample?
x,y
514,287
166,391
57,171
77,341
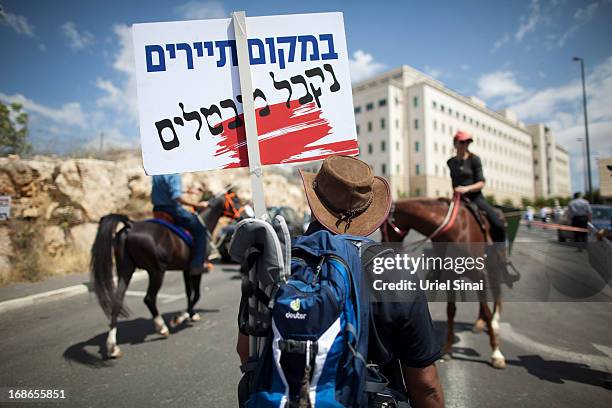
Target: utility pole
x,y
586,125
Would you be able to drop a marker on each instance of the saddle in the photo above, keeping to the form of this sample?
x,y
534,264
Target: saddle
x,y
479,215
165,219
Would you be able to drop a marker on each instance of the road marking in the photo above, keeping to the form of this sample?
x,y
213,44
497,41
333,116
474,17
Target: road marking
x,y
165,298
518,339
604,349
56,294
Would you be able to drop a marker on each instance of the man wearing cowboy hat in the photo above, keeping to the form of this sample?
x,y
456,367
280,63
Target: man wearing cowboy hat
x,y
346,198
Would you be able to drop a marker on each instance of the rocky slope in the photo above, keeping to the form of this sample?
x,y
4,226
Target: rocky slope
x,y
61,200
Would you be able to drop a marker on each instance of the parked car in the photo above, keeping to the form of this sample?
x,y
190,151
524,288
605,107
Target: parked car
x,y
602,218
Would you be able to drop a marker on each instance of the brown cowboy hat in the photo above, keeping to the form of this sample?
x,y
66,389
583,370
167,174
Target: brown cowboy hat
x,y
346,197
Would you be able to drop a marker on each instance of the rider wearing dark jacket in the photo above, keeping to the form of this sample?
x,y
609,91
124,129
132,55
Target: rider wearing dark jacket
x,y
468,179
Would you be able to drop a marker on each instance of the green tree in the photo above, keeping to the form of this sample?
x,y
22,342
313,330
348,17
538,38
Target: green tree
x,y
13,130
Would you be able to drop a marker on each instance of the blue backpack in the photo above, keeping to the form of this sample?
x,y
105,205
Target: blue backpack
x,y
314,353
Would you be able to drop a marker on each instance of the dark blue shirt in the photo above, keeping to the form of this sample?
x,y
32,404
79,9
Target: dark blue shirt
x,y
165,190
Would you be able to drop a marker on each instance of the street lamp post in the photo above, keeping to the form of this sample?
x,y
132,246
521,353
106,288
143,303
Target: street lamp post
x,y
584,158
586,126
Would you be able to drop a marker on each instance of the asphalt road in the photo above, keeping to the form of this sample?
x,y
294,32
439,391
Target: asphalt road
x,y
558,354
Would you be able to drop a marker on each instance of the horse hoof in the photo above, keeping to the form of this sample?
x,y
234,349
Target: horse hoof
x,y
164,331
196,317
178,320
115,352
478,326
499,363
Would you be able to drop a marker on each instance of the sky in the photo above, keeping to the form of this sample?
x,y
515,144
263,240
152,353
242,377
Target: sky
x,y
70,63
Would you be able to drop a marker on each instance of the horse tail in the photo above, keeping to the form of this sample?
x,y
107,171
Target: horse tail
x,y
101,264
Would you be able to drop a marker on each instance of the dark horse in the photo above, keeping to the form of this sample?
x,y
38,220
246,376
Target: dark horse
x,y
425,216
152,247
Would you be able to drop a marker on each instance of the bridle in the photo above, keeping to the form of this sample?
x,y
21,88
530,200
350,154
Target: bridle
x,y
390,222
445,226
229,208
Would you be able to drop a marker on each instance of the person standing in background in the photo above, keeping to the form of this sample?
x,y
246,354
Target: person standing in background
x,y
580,213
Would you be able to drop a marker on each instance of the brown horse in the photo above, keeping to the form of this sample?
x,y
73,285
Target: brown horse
x,y
152,247
425,215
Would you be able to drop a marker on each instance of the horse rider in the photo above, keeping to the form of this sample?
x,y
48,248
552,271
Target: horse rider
x,y
168,196
468,179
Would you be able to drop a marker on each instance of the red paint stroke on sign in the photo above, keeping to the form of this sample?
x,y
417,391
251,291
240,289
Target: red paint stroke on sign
x,y
286,135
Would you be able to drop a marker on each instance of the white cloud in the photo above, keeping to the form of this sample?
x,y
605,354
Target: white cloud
x,y
501,42
586,13
122,96
433,72
76,39
18,23
529,23
464,67
197,10
69,114
498,84
362,66
560,108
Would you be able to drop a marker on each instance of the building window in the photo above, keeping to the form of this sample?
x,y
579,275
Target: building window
x,y
369,148
415,102
382,123
418,169
443,149
436,147
369,126
357,109
370,106
397,146
417,192
382,102
434,104
397,171
416,124
450,111
450,130
435,124
397,123
437,170
383,169
357,129
443,127
464,118
442,108
416,147
383,146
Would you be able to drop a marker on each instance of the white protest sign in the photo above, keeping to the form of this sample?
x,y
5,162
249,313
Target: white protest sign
x,y
189,92
5,207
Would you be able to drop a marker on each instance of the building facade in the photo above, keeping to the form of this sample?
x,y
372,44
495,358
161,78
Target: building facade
x,y
605,178
405,125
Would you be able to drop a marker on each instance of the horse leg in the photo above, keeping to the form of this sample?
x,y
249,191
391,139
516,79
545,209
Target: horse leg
x,y
195,285
451,309
156,279
125,269
497,358
479,325
496,315
180,319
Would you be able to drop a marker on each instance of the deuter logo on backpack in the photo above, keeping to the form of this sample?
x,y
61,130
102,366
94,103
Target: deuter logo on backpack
x,y
295,306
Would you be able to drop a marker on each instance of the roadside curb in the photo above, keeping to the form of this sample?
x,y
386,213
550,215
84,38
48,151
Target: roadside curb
x,y
55,294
